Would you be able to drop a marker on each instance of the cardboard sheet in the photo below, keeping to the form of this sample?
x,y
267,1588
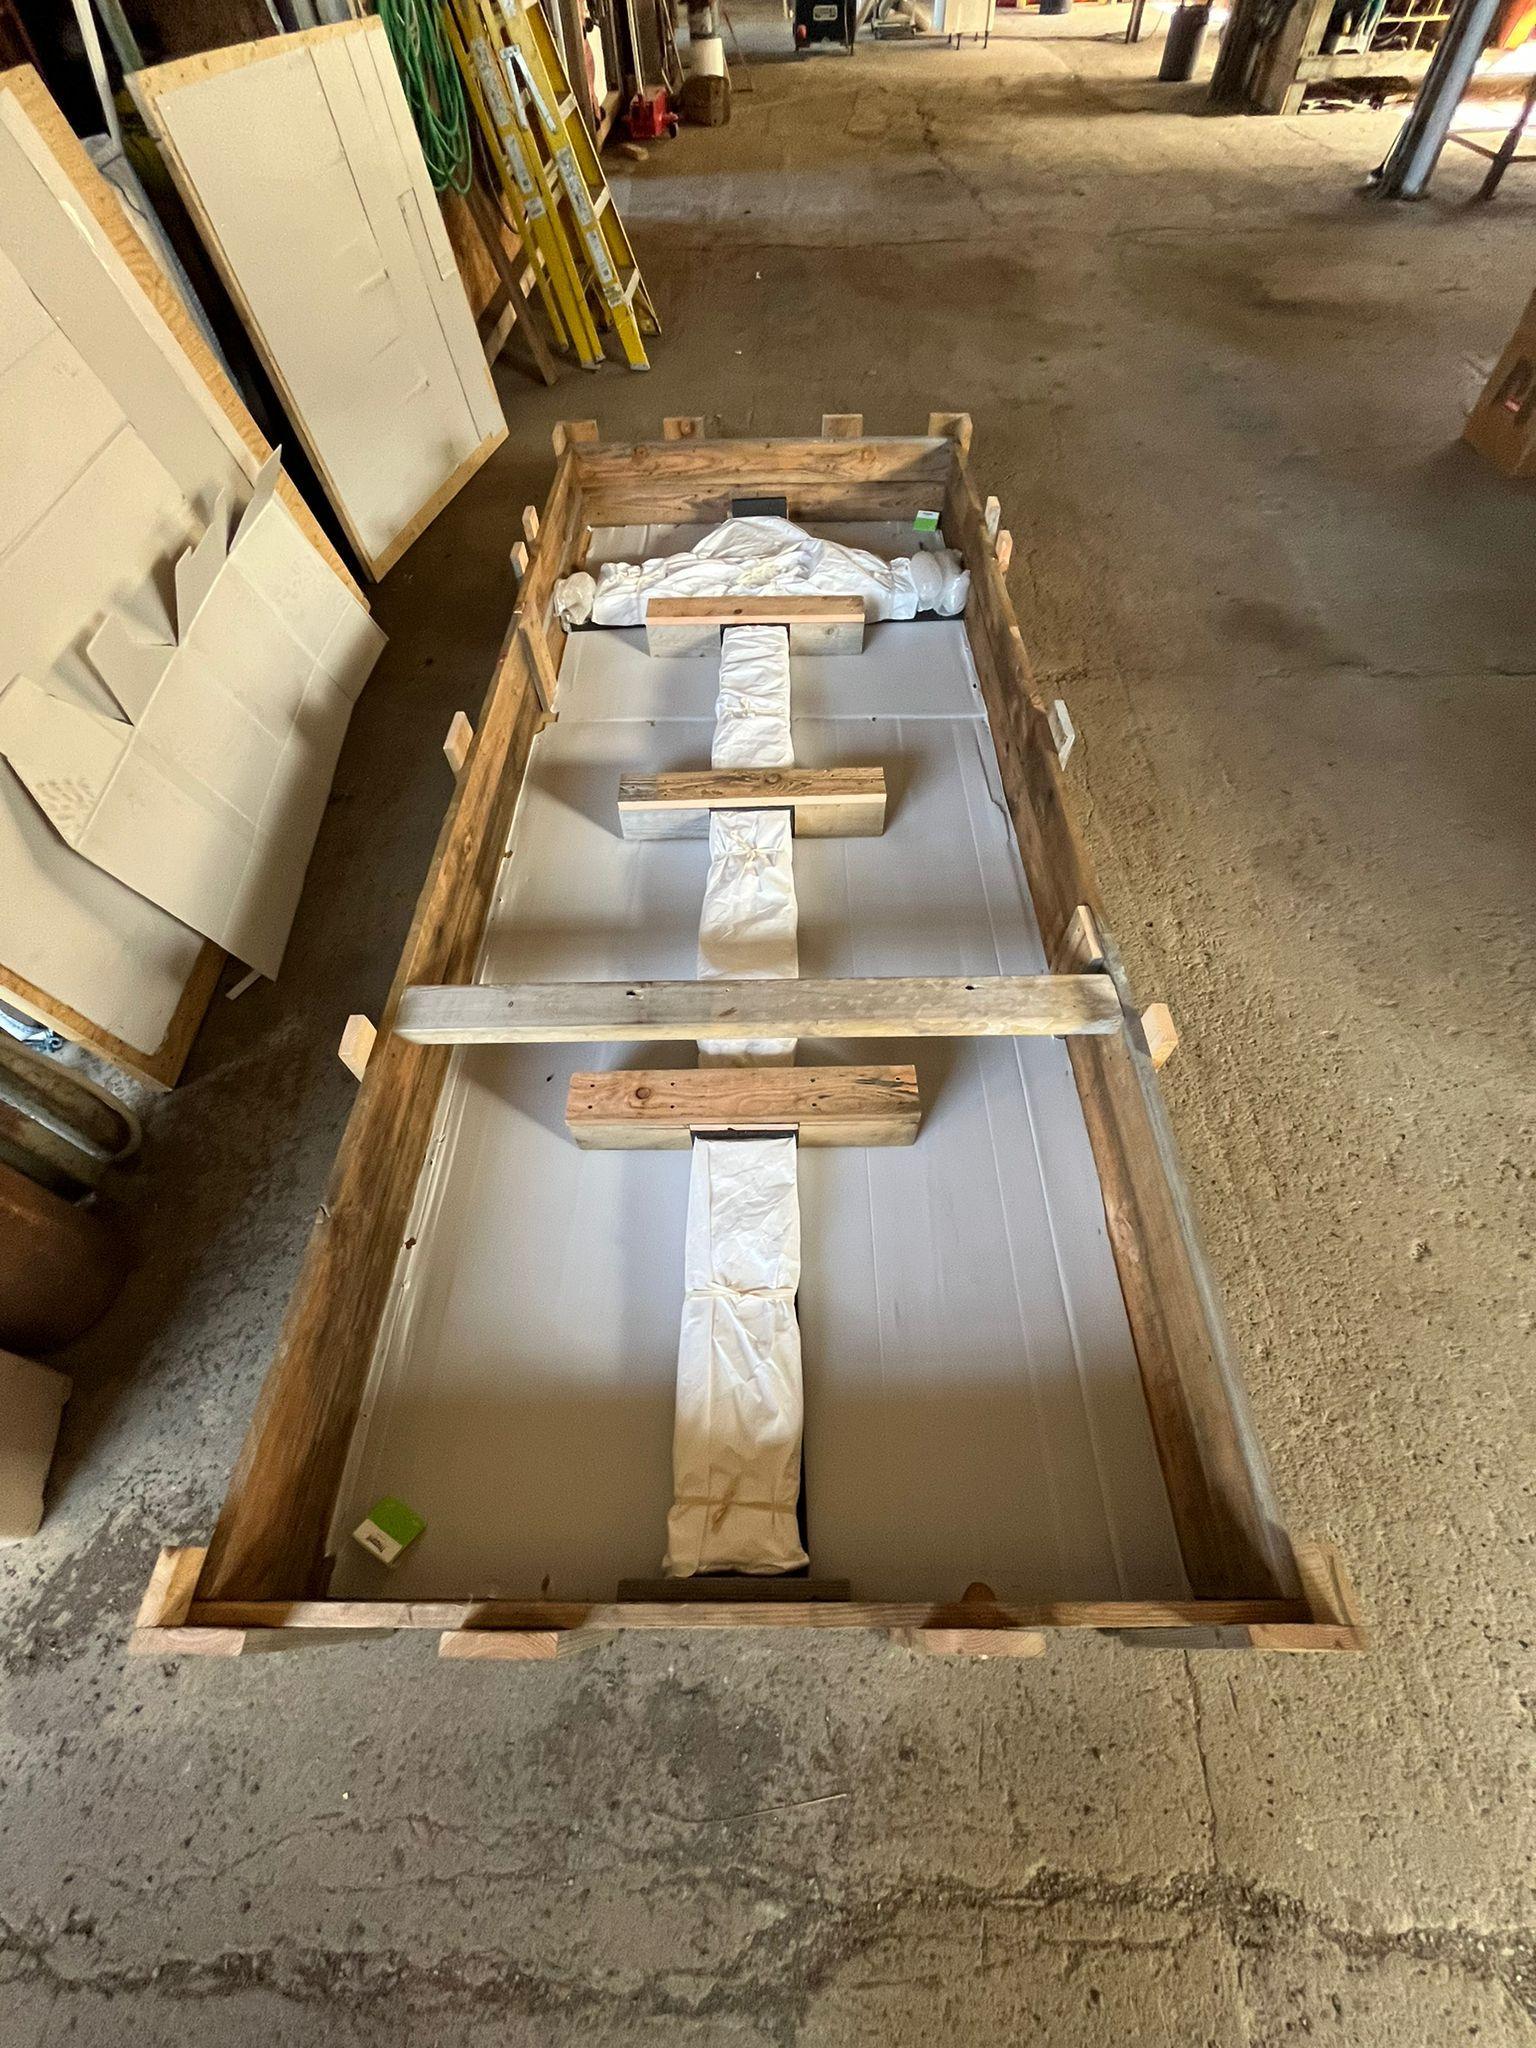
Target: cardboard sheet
x,y
973,1405
298,160
205,794
113,450
111,453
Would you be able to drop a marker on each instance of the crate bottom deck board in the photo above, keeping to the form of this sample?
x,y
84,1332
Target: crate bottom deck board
x,y
973,1407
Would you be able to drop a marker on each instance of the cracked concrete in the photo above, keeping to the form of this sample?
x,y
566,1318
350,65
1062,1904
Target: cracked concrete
x,y
1218,394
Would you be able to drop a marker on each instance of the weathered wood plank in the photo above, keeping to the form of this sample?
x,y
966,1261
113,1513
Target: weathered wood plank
x,y
608,1012
828,803
758,466
660,1108
834,499
443,1615
692,625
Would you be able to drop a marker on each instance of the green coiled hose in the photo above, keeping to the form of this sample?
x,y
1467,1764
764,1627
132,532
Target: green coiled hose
x,y
433,90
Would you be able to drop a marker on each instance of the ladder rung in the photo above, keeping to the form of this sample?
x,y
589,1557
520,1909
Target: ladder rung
x,y
567,107
603,199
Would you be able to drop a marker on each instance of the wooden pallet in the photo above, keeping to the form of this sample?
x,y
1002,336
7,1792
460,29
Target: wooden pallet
x,y
262,1580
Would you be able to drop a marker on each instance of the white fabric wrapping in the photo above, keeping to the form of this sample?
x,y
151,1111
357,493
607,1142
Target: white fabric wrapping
x,y
736,1441
740,1402
749,926
750,918
752,709
769,558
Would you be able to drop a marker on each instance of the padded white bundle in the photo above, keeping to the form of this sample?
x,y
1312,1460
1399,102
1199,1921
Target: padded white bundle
x,y
736,1440
752,709
740,1402
749,926
768,557
750,919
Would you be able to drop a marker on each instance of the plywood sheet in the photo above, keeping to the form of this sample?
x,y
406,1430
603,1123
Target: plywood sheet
x,y
117,433
297,158
973,1405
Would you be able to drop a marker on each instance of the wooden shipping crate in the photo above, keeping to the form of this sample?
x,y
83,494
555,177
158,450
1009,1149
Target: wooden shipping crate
x,y
266,1577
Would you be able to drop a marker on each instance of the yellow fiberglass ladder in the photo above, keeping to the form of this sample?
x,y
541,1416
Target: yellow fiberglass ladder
x,y
527,200
550,175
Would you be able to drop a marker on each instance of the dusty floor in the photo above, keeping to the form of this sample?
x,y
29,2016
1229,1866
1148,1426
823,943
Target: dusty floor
x,y
1218,394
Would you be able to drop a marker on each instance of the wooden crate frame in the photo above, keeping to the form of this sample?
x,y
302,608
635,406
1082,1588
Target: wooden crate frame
x,y
261,1581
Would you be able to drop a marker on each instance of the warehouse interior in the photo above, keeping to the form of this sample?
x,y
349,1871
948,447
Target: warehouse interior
x,y
1217,382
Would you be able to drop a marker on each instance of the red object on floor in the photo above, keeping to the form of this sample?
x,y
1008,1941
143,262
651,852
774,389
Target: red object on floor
x,y
650,116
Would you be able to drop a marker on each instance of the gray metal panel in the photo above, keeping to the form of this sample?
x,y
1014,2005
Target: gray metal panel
x,y
973,1409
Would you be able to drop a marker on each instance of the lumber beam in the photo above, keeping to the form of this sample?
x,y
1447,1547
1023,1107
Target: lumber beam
x,y
457,743
955,426
356,1047
1160,1032
598,1012
692,625
827,803
662,1109
1081,945
572,434
788,1603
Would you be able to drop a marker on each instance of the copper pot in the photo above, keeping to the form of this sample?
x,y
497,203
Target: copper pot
x,y
61,1265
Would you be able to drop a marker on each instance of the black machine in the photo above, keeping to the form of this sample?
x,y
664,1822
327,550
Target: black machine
x,y
825,21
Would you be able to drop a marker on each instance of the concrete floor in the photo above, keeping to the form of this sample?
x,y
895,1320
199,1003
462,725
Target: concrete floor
x,y
1218,394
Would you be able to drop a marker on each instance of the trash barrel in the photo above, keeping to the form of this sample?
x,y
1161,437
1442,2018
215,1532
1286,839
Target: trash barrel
x,y
1181,52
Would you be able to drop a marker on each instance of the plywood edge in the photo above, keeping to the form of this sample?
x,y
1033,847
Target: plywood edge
x,y
204,64
379,566
100,200
162,1067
